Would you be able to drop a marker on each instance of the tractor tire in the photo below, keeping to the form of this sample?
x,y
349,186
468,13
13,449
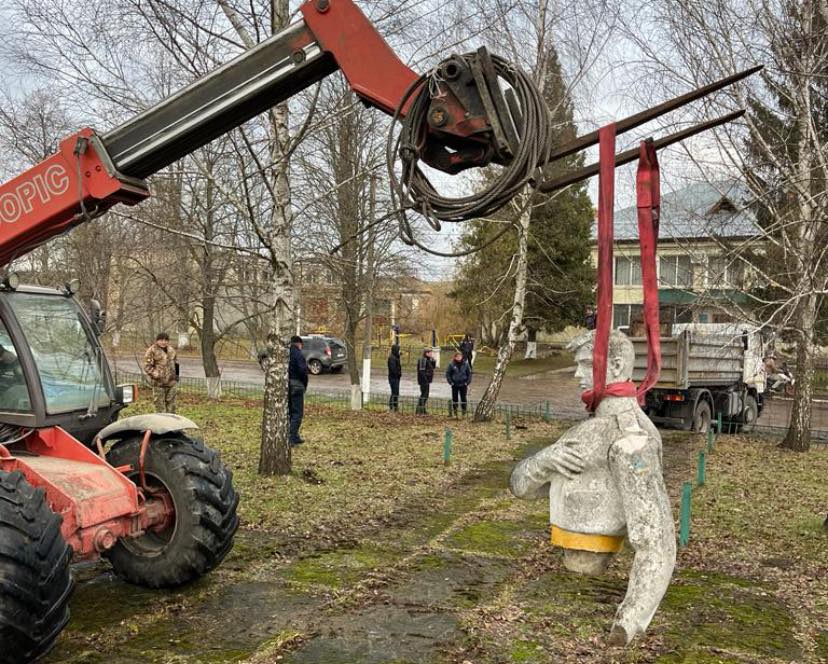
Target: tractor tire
x,y
205,523
35,580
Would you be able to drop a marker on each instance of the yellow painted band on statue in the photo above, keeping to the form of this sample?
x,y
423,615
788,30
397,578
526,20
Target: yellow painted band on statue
x,y
586,542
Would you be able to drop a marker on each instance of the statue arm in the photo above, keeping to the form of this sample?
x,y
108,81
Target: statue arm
x,y
635,463
531,477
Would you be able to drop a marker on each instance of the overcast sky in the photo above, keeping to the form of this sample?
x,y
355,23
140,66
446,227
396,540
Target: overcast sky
x,y
605,95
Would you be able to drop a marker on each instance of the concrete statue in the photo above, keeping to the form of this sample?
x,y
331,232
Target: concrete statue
x,y
604,482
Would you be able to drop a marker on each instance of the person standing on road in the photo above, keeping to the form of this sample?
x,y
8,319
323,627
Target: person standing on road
x,y
297,385
459,375
162,371
425,374
467,349
394,375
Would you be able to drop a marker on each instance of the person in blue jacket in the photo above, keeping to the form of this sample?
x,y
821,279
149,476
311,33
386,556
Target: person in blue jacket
x,y
459,376
297,384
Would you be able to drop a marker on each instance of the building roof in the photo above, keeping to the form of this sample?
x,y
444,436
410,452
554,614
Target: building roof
x,y
697,211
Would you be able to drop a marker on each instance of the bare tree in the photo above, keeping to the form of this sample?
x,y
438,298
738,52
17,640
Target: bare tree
x,y
780,151
340,161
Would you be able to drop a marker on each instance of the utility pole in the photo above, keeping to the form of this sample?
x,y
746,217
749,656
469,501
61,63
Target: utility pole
x,y
370,277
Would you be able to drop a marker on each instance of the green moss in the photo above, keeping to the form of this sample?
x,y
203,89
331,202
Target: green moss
x,y
698,658
716,579
431,561
822,646
503,538
525,651
702,615
337,569
720,612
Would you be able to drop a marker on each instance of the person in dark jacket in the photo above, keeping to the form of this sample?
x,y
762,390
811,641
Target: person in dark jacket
x,y
297,384
394,375
591,319
425,374
459,375
467,349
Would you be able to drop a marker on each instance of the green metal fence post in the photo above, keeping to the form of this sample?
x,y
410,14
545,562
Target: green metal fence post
x,y
710,439
547,414
447,441
509,424
719,424
684,521
700,471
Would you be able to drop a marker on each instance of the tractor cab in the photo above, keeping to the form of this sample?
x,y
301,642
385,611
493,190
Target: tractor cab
x,y
53,371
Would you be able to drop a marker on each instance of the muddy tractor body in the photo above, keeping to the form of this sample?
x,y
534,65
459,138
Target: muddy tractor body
x,y
77,483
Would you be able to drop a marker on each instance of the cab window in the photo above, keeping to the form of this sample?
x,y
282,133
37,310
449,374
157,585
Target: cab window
x,y
14,394
68,361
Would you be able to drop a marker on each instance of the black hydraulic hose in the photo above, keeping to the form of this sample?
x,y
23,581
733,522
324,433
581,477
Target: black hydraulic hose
x,y
412,190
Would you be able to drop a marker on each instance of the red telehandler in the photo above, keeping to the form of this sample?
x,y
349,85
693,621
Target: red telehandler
x,y
144,492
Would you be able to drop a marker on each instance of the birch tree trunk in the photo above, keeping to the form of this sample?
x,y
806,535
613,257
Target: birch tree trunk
x,y
486,408
275,457
798,437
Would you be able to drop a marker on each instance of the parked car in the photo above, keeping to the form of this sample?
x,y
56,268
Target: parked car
x,y
324,353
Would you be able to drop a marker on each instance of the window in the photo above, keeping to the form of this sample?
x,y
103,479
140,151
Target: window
x,y
676,271
627,271
14,395
672,314
724,273
68,362
623,315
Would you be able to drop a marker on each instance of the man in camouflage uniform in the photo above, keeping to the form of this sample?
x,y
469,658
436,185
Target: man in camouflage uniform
x,y
161,368
604,482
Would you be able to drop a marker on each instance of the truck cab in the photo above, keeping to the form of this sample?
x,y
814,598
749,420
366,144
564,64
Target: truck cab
x,y
53,371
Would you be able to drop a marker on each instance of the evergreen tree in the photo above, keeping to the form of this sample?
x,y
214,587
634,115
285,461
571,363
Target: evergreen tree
x,y
560,273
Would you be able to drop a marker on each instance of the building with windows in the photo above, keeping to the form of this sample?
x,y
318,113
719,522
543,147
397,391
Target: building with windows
x,y
701,278
401,300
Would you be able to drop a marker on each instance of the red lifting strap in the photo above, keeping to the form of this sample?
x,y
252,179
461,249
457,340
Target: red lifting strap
x,y
648,194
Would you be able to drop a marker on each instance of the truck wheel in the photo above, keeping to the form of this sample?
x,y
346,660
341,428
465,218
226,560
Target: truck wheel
x,y
749,415
35,581
205,520
702,417
315,367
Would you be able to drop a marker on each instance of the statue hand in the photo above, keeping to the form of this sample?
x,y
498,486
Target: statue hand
x,y
562,459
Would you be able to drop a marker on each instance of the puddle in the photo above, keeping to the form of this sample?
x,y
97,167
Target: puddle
x,y
451,580
379,635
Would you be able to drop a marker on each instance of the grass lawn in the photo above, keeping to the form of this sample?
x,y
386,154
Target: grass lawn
x,y
374,551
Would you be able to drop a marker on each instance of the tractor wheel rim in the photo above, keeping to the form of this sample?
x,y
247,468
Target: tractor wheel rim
x,y
152,544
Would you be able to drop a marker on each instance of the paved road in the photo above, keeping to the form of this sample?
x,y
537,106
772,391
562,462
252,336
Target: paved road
x,y
557,387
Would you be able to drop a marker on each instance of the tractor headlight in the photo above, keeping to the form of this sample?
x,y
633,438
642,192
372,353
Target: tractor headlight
x,y
127,394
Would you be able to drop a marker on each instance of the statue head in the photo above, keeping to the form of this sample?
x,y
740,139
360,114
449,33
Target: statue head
x,y
620,358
